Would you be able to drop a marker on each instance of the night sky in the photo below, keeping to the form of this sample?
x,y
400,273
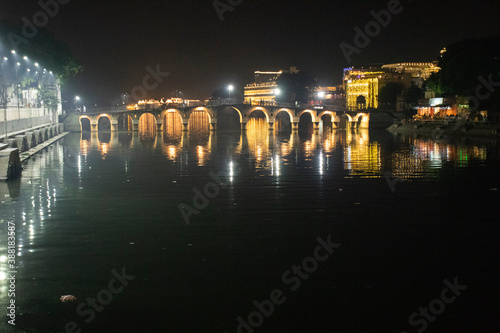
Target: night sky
x,y
116,40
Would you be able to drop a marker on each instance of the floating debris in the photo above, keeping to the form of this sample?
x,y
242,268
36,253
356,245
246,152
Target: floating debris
x,y
67,298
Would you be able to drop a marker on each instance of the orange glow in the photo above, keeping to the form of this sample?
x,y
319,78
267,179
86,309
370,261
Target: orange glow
x,y
199,121
147,126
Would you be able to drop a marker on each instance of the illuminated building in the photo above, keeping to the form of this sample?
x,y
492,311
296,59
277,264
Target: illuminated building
x,y
416,69
265,87
362,86
430,108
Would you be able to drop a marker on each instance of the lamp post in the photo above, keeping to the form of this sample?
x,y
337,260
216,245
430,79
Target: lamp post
x,y
28,104
277,92
230,88
77,99
4,96
37,68
17,91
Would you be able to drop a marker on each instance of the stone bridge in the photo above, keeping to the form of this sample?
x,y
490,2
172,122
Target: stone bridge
x,y
129,119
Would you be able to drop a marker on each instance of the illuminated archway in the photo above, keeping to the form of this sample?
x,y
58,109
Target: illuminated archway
x,y
326,123
125,123
256,110
345,121
229,118
172,121
283,120
147,126
310,112
85,124
362,120
104,123
199,120
306,125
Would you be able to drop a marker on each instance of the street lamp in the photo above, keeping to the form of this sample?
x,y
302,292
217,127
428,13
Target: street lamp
x,y
77,99
4,97
17,90
230,88
28,104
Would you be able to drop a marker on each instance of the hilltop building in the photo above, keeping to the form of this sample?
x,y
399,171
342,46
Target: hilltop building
x,y
362,86
264,89
419,71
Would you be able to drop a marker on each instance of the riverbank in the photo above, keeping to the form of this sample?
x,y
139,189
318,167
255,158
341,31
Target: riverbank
x,y
489,131
32,151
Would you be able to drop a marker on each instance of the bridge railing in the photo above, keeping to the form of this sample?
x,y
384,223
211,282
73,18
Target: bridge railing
x,y
225,101
106,109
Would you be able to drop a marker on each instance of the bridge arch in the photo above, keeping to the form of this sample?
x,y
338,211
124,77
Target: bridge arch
x,y
85,124
201,109
280,122
345,121
200,122
172,121
125,122
239,113
327,120
287,111
258,108
147,125
314,118
229,118
103,122
361,120
307,121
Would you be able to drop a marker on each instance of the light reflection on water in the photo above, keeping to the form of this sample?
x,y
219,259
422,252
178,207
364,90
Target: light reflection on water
x,y
357,153
266,153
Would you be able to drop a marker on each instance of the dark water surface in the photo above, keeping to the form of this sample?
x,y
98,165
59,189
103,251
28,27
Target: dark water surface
x,y
407,212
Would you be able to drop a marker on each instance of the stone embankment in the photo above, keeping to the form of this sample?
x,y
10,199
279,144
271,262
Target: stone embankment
x,y
16,149
458,128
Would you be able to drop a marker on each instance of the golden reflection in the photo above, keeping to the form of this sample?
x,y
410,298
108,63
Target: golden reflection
x,y
199,122
258,141
360,155
285,148
202,145
172,124
147,127
406,165
105,143
329,142
104,149
309,147
172,135
84,147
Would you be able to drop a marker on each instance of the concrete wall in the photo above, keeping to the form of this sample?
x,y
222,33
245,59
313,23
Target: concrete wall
x,y
382,119
72,123
23,124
